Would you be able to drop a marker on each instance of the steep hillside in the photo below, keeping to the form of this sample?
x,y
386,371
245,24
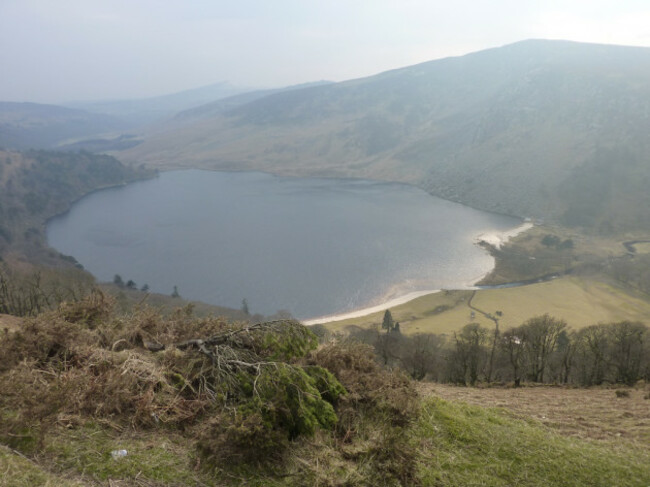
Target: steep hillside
x,y
548,129
37,185
37,126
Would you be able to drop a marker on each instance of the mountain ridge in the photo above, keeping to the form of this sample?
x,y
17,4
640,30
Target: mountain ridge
x,y
26,125
142,111
506,129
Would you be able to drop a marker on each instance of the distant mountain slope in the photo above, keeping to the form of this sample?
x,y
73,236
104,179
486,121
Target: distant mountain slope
x,y
142,111
33,125
548,129
223,105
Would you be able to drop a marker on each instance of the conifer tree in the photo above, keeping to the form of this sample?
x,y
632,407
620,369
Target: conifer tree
x,y
388,324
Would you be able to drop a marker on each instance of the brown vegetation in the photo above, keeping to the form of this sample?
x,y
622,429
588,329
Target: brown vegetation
x,y
242,393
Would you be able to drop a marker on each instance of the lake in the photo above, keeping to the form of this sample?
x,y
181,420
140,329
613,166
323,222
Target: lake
x,y
313,247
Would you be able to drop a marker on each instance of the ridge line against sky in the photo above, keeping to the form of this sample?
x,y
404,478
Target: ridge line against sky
x,y
58,51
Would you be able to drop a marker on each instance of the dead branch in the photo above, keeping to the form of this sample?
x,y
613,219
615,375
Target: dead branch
x,y
226,353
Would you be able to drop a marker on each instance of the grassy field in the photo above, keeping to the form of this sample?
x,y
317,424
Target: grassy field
x,y
579,301
469,445
642,248
594,414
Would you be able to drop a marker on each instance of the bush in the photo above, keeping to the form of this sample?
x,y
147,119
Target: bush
x,y
90,311
83,361
375,415
387,393
240,439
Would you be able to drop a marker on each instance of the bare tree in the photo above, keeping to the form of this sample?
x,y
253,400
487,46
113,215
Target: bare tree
x,y
511,344
592,354
540,335
419,354
627,339
468,357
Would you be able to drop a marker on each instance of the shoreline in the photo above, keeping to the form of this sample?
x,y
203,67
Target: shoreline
x,y
496,239
369,310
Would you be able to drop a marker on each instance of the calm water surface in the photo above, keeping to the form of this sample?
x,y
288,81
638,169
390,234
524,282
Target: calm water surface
x,y
310,246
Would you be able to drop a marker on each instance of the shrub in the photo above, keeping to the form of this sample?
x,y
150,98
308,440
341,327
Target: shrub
x,y
90,311
375,415
240,438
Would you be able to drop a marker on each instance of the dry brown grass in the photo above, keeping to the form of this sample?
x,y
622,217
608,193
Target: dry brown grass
x,y
9,323
596,414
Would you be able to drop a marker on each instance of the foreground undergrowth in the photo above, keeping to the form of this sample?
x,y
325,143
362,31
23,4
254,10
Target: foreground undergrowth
x,y
453,444
208,402
194,401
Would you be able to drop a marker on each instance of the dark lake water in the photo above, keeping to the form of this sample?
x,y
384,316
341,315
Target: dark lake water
x,y
313,247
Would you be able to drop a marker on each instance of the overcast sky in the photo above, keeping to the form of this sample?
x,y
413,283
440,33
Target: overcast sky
x,y
61,50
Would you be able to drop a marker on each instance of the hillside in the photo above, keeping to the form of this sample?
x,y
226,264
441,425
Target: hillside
x,y
546,129
37,185
223,105
38,126
94,397
140,111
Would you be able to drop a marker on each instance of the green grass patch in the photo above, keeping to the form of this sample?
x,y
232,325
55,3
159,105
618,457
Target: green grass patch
x,y
642,248
468,445
158,457
18,471
579,301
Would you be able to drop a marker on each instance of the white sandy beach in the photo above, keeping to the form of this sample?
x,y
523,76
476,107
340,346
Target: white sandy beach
x,y
493,238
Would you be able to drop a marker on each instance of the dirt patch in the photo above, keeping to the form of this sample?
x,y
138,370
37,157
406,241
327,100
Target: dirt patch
x,y
585,413
10,323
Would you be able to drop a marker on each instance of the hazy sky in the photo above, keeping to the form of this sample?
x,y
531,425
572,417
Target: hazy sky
x,y
59,50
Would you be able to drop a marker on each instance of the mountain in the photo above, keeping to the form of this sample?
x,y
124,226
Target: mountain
x,y
33,125
144,111
546,129
223,105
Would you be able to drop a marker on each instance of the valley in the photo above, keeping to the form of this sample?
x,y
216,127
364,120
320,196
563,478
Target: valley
x,y
538,374
532,129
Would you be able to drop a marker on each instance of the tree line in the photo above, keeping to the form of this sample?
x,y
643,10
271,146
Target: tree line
x,y
541,350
